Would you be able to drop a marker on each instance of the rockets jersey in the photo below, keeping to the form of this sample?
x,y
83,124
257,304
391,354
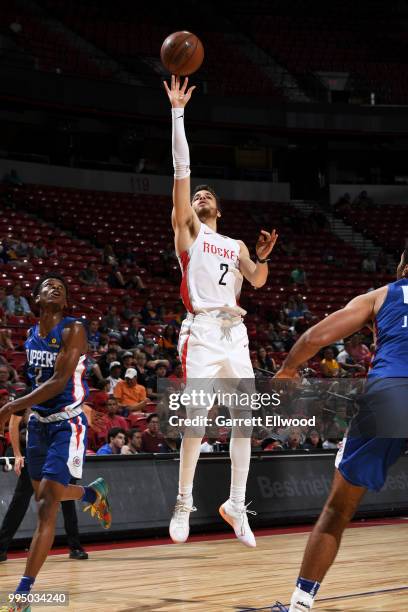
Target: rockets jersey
x,y
211,277
41,356
391,326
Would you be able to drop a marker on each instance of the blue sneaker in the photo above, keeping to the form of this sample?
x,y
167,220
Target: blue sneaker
x,y
278,607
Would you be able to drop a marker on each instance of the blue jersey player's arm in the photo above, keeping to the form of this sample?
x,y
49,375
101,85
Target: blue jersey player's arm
x,y
356,314
74,344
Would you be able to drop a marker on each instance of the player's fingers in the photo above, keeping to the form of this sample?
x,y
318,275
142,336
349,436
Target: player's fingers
x,y
166,87
183,89
190,90
173,82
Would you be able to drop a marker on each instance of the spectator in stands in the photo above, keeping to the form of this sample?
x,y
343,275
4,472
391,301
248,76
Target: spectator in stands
x,y
273,338
329,365
113,418
272,442
177,374
130,394
359,351
105,361
152,382
142,373
149,314
369,264
129,311
115,278
135,282
39,251
17,305
114,375
168,341
298,276
171,439
94,336
362,200
127,360
116,439
152,438
135,335
347,361
134,445
89,276
287,339
294,440
112,320
293,310
12,178
313,441
108,256
265,362
152,356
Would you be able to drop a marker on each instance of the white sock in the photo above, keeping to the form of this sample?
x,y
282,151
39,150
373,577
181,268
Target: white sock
x,y
189,454
301,601
240,453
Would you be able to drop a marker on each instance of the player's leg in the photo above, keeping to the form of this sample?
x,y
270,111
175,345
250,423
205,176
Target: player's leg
x,y
324,541
239,381
234,511
201,363
362,464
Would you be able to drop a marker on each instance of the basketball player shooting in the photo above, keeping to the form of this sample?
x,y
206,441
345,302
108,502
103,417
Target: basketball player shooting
x,y
363,460
213,340
56,432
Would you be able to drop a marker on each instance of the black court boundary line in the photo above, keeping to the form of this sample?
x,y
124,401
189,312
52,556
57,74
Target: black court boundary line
x,y
337,597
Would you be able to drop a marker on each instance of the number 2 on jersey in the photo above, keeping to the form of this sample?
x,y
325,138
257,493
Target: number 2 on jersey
x,y
224,267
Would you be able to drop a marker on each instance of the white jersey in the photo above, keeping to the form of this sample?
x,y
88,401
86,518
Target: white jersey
x,y
211,279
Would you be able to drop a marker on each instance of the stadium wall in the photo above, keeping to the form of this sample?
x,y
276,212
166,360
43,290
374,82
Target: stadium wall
x,y
381,194
284,488
101,180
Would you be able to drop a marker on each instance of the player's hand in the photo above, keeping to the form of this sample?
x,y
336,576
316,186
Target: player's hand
x,y
178,94
265,243
18,465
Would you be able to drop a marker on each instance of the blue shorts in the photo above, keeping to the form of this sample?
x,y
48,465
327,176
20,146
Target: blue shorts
x,y
377,434
364,462
56,451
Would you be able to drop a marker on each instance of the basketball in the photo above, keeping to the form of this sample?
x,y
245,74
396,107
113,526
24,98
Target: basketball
x,y
182,53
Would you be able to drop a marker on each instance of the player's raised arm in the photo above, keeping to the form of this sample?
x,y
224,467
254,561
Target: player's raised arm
x,y
74,345
179,96
340,324
257,273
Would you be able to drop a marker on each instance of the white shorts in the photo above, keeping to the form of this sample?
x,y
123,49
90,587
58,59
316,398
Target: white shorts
x,y
212,347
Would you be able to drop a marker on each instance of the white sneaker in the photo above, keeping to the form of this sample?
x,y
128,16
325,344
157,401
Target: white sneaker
x,y
237,517
179,524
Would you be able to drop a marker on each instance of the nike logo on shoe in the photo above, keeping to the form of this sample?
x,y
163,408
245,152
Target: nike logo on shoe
x,y
303,604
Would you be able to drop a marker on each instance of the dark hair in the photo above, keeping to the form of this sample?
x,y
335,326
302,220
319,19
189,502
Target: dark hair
x,y
112,433
152,416
39,283
132,432
405,257
210,190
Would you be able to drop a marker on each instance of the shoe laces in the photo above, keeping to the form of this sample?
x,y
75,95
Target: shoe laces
x,y
181,509
244,512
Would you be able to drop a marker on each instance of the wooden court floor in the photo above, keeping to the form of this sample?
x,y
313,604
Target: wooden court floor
x,y
370,574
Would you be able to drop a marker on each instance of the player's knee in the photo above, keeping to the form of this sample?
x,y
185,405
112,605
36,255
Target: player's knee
x,y
337,515
47,506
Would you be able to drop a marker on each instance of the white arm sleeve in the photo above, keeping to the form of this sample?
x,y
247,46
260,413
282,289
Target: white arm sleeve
x,y
181,153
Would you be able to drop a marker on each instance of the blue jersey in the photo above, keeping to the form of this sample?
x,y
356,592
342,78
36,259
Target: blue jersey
x,y
391,325
41,356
